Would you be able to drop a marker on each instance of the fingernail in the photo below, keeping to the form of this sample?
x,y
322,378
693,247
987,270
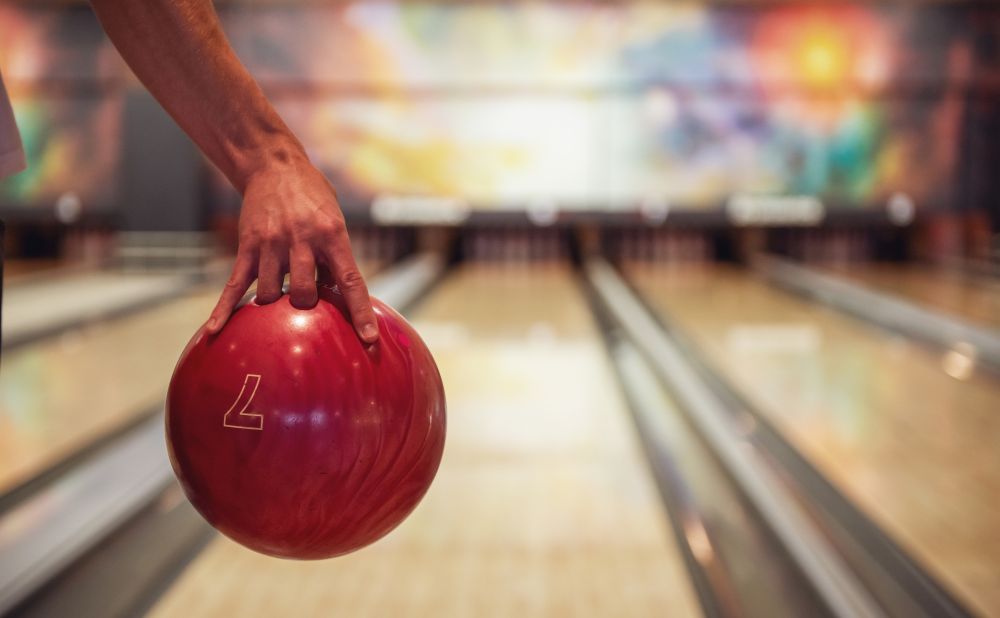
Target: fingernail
x,y
212,324
369,332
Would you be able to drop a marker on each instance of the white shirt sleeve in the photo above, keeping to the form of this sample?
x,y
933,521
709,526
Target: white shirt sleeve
x,y
11,152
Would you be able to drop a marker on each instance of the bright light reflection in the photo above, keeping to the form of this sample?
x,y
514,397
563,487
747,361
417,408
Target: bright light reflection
x,y
960,362
697,539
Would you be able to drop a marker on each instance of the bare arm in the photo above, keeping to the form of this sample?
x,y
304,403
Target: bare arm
x,y
290,221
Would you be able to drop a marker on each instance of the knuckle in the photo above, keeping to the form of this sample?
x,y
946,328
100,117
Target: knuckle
x,y
333,227
303,231
352,280
303,261
269,237
237,280
301,278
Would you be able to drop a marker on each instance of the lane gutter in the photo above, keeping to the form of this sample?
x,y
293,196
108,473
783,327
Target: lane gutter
x,y
28,336
884,310
834,582
74,510
886,567
889,572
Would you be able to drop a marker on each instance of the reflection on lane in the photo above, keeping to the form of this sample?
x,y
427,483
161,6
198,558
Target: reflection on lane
x,y
543,505
61,393
60,302
969,297
58,395
878,415
20,271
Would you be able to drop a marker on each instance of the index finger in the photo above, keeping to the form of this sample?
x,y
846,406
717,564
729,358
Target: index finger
x,y
237,285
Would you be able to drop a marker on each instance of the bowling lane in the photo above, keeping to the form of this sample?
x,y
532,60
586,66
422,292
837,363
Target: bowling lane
x,y
54,303
543,505
972,298
914,447
18,272
58,395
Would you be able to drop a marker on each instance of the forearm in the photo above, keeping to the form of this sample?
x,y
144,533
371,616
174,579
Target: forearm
x,y
179,51
291,221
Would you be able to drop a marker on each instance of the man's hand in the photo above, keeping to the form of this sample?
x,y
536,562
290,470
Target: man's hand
x,y
291,223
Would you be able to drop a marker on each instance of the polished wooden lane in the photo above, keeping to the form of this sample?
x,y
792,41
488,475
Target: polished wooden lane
x,y
883,418
18,271
970,297
61,393
543,505
57,302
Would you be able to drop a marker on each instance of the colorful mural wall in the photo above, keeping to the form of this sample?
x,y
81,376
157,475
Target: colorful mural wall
x,y
593,105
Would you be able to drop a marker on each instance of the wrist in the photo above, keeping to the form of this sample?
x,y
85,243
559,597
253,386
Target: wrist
x,y
276,153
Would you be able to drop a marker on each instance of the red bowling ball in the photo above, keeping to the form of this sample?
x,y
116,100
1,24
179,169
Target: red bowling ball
x,y
294,438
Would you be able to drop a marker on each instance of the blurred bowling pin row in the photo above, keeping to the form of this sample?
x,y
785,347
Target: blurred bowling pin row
x,y
830,246
660,245
380,245
515,246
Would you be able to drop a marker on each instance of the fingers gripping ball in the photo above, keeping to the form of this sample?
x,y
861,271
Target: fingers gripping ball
x,y
296,439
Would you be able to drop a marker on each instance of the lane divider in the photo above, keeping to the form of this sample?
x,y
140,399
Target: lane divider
x,y
887,311
54,526
832,579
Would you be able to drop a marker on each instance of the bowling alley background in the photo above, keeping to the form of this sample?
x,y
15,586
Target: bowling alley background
x,y
577,106
713,287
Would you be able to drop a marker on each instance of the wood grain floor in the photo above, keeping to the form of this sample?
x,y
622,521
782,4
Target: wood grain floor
x,y
16,272
914,447
61,393
976,299
543,505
